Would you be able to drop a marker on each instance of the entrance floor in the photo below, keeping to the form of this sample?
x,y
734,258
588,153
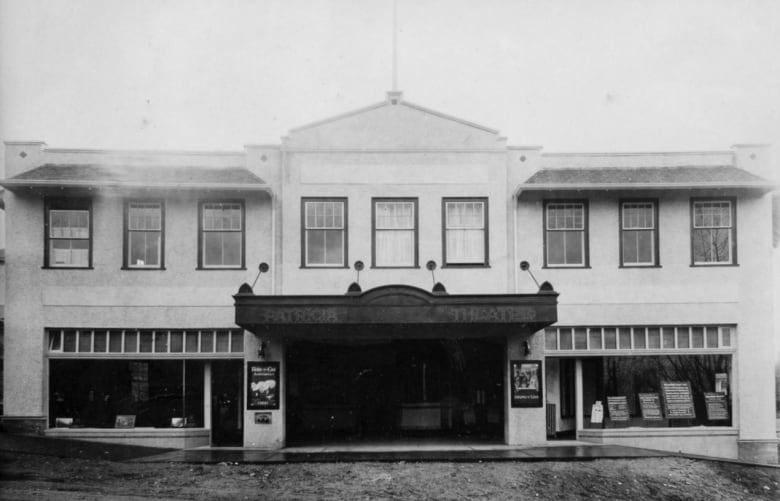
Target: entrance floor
x,y
395,389
417,452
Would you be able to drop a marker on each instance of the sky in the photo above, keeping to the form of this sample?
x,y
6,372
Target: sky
x,y
595,75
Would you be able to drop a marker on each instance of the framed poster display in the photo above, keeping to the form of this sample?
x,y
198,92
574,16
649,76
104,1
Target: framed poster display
x,y
650,405
717,407
618,408
262,385
526,380
678,400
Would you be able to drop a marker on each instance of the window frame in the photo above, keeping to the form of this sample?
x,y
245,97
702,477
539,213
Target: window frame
x,y
585,233
345,231
202,266
126,265
66,204
415,230
732,235
656,262
485,263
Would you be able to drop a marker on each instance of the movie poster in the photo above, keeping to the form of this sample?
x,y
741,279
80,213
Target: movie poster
x,y
526,383
262,385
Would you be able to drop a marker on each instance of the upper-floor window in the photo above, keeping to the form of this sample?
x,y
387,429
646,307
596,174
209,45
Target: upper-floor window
x,y
395,232
713,237
465,231
221,242
68,233
638,233
144,241
566,234
324,228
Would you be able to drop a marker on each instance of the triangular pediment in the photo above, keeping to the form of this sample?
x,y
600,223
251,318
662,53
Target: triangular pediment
x,y
394,124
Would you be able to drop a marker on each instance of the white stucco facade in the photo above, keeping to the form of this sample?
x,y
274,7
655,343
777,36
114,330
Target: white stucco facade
x,y
393,150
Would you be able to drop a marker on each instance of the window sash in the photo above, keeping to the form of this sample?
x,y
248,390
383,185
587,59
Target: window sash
x,y
712,234
144,235
638,216
324,233
69,238
565,234
222,239
638,234
465,232
324,215
395,233
565,216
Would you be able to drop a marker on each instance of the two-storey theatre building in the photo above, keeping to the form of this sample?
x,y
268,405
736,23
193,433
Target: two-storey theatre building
x,y
422,279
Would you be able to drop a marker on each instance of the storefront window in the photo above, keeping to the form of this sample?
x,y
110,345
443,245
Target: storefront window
x,y
159,393
657,391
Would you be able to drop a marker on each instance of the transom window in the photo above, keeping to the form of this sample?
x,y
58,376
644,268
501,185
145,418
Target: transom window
x,y
156,342
465,231
222,235
144,234
638,234
712,235
606,339
395,233
324,232
68,233
566,238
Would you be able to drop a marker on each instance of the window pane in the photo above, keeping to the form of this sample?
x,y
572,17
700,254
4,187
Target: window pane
x,y
85,341
595,339
712,337
315,247
630,247
574,247
70,341
334,248
625,338
206,341
639,339
683,337
223,341
668,336
610,339
144,248
465,246
161,342
394,215
697,337
725,333
69,253
144,217
566,341
55,340
653,338
115,341
580,339
551,339
555,247
177,341
131,341
394,248
191,340
146,342
99,340
237,341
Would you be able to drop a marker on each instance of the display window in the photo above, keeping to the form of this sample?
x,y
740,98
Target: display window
x,y
657,391
125,393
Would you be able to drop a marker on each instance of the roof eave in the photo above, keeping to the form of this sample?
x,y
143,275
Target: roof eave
x,y
14,184
762,186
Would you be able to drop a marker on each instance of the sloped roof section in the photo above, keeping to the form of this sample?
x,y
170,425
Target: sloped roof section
x,y
164,177
606,178
391,125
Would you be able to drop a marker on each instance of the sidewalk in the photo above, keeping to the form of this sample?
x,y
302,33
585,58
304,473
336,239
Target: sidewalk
x,y
368,453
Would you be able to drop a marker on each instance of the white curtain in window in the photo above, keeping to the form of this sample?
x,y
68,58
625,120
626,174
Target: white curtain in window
x,y
465,232
394,234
